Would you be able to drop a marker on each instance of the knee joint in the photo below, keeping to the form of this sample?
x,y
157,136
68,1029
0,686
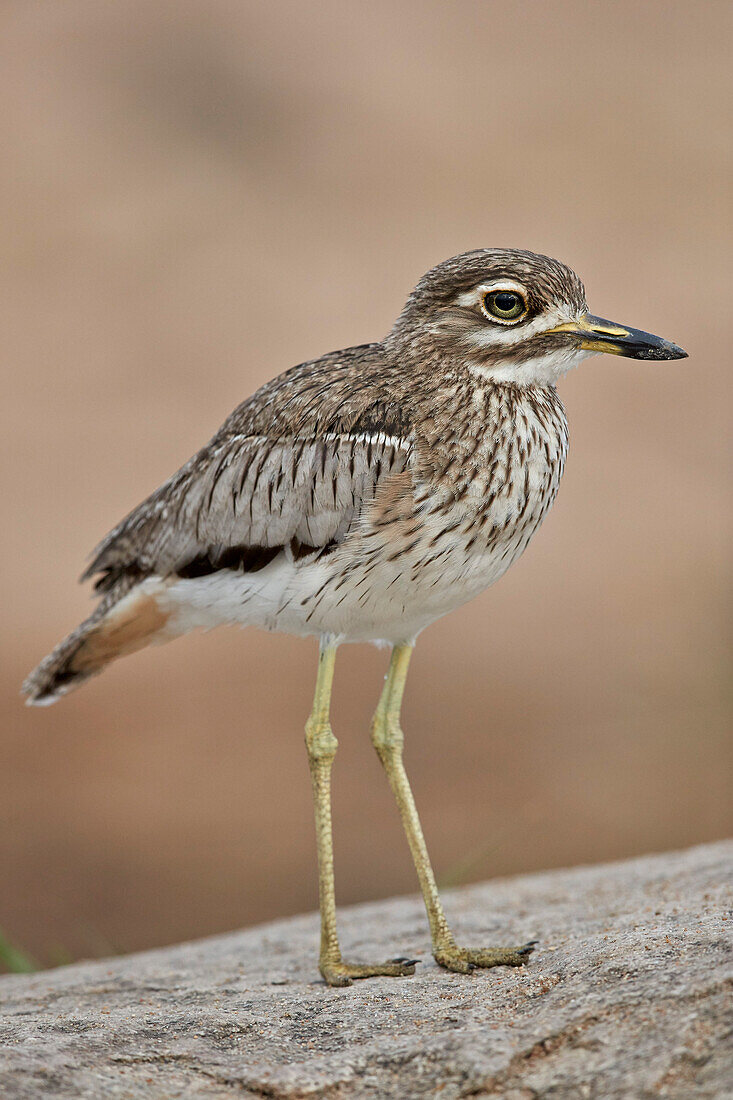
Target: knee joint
x,y
320,740
387,736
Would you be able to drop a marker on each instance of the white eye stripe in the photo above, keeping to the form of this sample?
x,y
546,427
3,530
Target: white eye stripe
x,y
498,336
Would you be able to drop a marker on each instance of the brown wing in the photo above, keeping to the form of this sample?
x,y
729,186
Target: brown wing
x,y
293,466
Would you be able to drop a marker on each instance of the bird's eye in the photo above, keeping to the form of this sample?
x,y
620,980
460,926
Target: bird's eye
x,y
504,305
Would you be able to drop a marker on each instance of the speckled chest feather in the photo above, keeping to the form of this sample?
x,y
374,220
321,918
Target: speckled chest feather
x,y
483,470
444,512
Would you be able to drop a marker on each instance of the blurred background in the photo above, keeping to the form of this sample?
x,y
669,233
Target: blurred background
x,y
198,194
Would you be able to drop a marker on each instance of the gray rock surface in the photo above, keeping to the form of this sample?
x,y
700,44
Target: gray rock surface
x,y
628,995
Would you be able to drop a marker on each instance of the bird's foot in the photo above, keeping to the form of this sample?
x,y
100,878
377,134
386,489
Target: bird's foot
x,y
464,959
340,973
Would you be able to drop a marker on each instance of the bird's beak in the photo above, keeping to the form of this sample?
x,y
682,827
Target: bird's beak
x,y
595,334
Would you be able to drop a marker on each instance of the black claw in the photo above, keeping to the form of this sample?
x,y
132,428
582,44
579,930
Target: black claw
x,y
404,961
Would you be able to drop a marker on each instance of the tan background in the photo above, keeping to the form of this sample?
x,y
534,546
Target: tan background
x,y
197,194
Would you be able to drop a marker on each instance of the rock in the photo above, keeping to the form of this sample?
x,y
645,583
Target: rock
x,y
628,995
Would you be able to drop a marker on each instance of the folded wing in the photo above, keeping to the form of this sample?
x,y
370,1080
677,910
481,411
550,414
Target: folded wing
x,y
292,467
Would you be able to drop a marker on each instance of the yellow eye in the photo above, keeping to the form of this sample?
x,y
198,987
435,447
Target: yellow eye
x,y
505,305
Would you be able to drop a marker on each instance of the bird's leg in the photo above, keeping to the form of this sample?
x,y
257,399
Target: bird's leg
x,y
388,740
322,746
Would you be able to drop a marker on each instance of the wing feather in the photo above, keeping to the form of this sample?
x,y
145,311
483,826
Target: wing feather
x,y
296,464
251,493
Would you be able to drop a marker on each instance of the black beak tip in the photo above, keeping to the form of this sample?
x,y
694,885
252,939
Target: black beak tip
x,y
663,350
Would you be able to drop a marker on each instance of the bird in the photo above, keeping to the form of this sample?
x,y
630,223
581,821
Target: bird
x,y
359,497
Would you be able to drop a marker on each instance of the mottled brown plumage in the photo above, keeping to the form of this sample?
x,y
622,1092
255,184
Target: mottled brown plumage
x,y
419,466
359,497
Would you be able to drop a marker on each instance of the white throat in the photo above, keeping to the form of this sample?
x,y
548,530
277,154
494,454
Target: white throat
x,y
542,370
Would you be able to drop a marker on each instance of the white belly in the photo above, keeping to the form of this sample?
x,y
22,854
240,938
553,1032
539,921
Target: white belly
x,y
381,604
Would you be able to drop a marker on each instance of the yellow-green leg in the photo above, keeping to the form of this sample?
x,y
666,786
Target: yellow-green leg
x,y
388,740
322,746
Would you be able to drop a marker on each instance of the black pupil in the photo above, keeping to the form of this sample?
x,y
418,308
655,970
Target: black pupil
x,y
505,302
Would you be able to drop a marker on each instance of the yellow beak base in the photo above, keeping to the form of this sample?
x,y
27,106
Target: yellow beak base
x,y
596,334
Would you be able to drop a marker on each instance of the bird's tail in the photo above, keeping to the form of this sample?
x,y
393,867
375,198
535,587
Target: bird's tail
x,y
122,623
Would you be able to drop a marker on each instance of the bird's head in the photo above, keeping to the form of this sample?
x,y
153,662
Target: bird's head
x,y
513,316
